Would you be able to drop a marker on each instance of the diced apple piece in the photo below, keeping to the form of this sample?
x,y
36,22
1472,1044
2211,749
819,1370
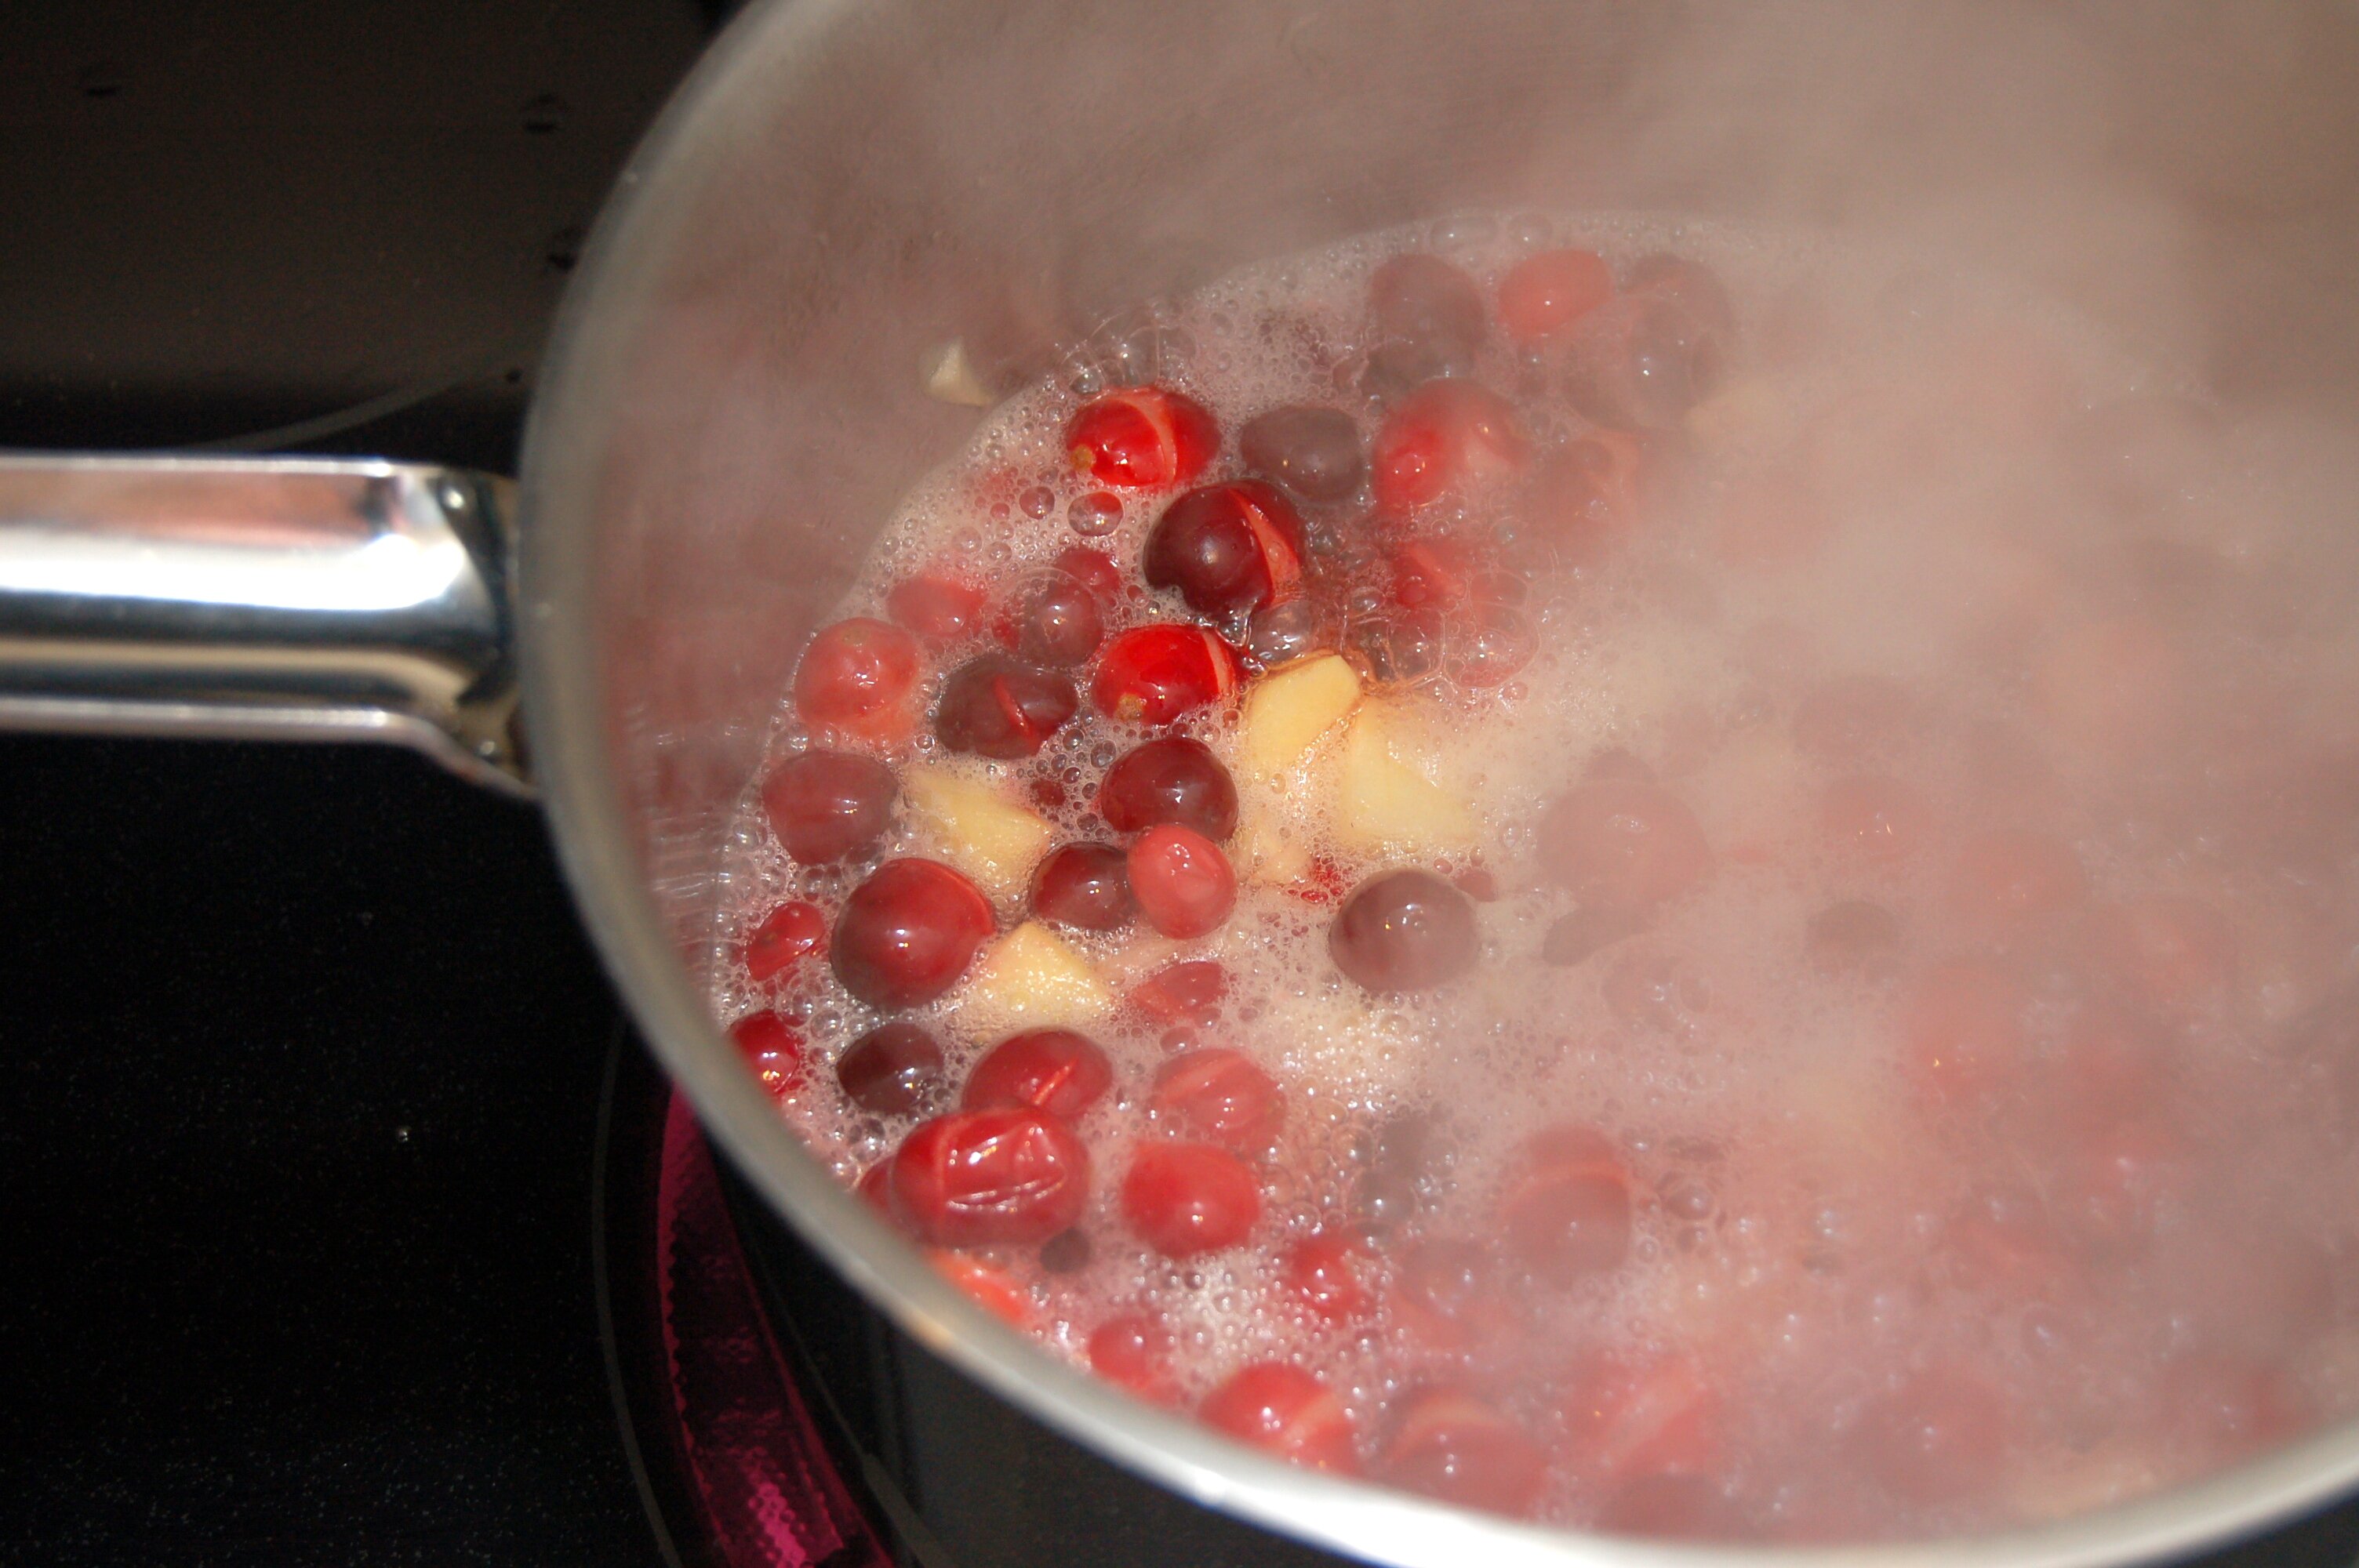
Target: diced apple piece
x,y
1031,978
1385,799
1268,849
979,830
1288,709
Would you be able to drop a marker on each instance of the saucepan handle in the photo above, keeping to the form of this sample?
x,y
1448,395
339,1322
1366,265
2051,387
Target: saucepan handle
x,y
262,598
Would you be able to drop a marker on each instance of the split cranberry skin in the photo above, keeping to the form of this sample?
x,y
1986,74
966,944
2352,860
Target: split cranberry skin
x,y
895,1069
1182,998
1059,1071
1000,708
1312,452
939,609
1228,549
827,806
1170,779
1132,1351
1187,1199
1545,294
1219,1095
1012,1176
772,1050
1404,931
857,677
1619,844
1284,1411
1154,674
1084,887
1183,880
794,931
1565,1214
1057,620
1448,1445
1142,438
908,933
1321,1276
1447,437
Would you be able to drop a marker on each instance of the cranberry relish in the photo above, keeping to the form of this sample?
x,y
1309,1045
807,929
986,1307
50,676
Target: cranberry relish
x,y
1646,877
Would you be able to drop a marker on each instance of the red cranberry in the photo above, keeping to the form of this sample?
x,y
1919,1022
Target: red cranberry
x,y
874,1187
773,1050
1172,779
939,609
979,1178
1688,286
994,1290
1422,299
1623,845
1404,931
1448,436
1187,1198
1588,496
996,706
1056,620
1566,1211
1220,1097
895,1069
1627,1420
1451,1295
794,931
1450,1446
1963,1027
1142,438
1134,1351
829,806
908,931
1433,573
1055,1070
1314,452
1287,1411
1226,548
1939,1438
1641,362
1321,1276
1084,886
1152,675
1183,880
1094,569
1183,996
1543,294
858,676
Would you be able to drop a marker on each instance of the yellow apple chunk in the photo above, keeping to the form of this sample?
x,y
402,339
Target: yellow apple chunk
x,y
979,830
1287,711
1386,798
1031,978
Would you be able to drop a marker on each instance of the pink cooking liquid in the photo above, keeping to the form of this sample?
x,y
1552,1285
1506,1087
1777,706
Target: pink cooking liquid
x,y
1952,1135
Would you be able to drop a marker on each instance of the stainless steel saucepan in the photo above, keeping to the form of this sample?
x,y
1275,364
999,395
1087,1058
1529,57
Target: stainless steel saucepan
x,y
844,188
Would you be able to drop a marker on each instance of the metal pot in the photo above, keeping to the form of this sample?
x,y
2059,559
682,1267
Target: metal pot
x,y
735,398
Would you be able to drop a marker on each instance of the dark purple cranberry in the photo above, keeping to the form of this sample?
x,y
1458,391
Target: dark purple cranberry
x,y
1226,547
1314,452
1422,299
826,805
1404,931
1173,779
998,707
895,1069
1085,886
1056,620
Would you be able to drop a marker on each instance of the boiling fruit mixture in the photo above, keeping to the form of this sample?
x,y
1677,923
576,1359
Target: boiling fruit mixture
x,y
1632,873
